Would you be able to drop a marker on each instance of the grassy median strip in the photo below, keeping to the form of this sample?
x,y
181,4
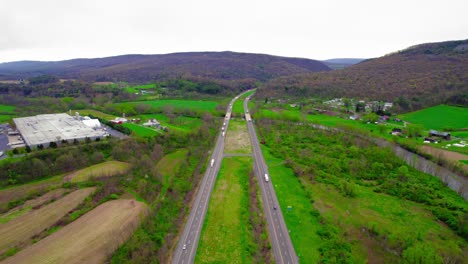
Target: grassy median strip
x,y
227,236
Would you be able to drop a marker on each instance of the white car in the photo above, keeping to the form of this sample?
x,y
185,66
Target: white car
x,y
184,247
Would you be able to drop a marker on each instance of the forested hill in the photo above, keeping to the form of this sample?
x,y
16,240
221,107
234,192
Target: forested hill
x,y
421,75
141,68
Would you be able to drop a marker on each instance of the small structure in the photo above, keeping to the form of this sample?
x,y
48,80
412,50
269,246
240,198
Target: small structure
x,y
92,123
430,140
435,133
153,123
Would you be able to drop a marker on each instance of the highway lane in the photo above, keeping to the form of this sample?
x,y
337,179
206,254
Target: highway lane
x,y
188,242
283,249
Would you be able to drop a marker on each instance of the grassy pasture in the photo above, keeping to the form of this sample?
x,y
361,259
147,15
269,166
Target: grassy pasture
x,y
137,88
90,239
19,192
439,117
7,109
105,169
226,235
176,104
141,131
32,223
180,123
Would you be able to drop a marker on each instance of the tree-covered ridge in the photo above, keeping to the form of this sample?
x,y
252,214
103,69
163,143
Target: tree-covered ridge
x,y
424,75
143,68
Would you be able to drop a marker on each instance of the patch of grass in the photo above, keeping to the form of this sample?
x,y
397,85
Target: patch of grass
x,y
137,88
237,138
460,134
5,118
301,222
180,123
141,131
464,161
8,217
7,109
226,234
105,169
96,113
169,165
439,117
209,106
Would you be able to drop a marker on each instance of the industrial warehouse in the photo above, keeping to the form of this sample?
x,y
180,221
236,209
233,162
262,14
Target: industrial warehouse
x,y
44,129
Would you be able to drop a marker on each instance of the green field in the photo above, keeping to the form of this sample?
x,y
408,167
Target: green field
x,y
238,107
176,104
137,88
439,117
227,236
141,131
180,123
7,112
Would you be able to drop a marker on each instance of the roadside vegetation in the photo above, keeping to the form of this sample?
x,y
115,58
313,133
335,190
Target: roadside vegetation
x,y
364,203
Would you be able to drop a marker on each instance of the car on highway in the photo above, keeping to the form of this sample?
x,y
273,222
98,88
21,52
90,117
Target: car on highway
x,y
184,247
274,207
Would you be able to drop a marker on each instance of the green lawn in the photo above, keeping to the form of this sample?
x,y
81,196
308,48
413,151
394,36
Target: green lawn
x,y
439,117
302,224
137,88
177,104
140,130
226,236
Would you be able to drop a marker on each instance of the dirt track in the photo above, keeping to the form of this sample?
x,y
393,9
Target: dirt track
x,y
92,238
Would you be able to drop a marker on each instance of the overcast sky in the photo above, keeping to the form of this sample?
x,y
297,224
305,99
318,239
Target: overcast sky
x,y
316,29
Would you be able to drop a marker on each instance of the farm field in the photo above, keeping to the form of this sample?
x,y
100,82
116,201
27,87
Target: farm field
x,y
237,138
14,233
137,88
141,131
227,236
105,169
90,239
22,191
439,117
28,205
176,104
99,114
302,224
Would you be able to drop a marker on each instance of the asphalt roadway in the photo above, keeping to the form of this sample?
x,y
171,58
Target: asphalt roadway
x,y
188,242
283,249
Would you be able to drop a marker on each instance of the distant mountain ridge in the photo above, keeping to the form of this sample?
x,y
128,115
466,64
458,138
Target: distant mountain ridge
x,y
341,63
139,68
421,75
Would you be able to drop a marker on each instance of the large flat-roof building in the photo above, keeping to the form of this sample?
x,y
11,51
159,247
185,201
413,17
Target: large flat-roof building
x,y
43,129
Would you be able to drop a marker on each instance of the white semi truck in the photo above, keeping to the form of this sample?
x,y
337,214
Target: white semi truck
x,y
212,162
267,179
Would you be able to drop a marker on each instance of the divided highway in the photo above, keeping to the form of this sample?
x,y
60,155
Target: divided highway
x,y
188,242
283,249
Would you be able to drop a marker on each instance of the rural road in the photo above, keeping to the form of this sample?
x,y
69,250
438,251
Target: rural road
x,y
188,243
283,249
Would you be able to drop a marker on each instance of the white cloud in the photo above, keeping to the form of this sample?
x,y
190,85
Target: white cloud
x,y
60,29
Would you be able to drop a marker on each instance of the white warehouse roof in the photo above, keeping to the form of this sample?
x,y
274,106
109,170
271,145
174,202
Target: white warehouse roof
x,y
92,123
43,129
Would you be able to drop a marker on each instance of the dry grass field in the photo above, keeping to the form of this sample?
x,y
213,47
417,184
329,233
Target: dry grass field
x,y
32,204
105,169
19,192
13,233
237,138
90,239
